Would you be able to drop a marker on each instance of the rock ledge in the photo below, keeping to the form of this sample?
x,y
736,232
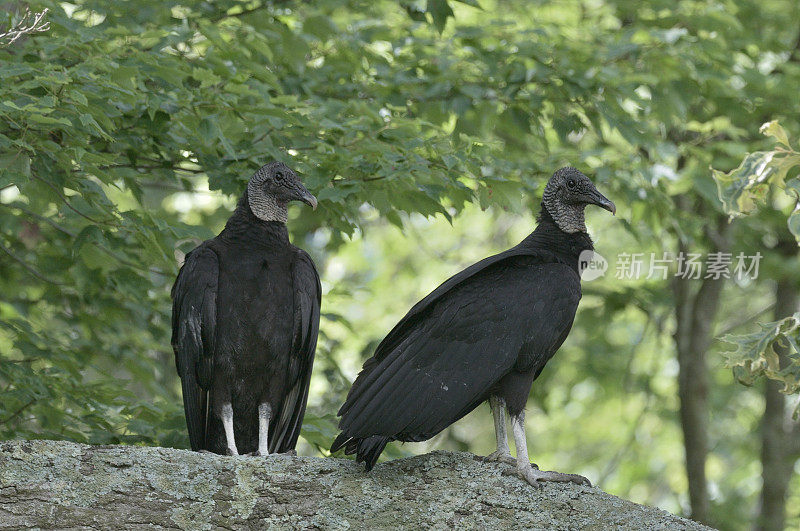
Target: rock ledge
x,y
56,484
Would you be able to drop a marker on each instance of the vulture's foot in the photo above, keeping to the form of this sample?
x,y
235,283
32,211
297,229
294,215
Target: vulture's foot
x,y
499,457
267,454
534,476
231,451
503,457
292,452
204,451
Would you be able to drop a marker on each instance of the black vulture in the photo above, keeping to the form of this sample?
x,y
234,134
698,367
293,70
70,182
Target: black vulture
x,y
245,318
484,334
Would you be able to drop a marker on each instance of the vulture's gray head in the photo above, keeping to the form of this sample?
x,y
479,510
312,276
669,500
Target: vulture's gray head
x,y
272,187
566,195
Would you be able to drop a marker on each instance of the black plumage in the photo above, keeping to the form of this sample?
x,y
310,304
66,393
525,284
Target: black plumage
x,y
245,317
484,334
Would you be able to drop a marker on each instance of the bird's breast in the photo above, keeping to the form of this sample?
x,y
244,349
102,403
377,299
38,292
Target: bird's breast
x,y
255,305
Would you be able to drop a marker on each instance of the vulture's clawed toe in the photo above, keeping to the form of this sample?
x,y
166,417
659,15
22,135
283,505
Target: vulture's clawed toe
x,y
500,457
534,476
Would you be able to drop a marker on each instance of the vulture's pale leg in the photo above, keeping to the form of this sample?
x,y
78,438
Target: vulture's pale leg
x,y
525,470
503,452
264,414
227,424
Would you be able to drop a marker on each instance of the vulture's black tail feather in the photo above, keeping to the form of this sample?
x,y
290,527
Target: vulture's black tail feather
x,y
195,402
339,442
367,449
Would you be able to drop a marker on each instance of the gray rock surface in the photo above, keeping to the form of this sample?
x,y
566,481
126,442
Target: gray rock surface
x,y
49,484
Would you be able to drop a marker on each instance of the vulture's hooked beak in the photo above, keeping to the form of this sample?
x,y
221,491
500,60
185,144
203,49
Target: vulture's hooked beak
x,y
596,198
306,197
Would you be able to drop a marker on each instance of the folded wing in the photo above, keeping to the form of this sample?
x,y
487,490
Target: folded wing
x,y
194,319
307,297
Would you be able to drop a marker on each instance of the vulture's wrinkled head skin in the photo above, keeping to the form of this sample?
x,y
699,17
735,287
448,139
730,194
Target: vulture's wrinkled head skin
x,y
566,195
272,187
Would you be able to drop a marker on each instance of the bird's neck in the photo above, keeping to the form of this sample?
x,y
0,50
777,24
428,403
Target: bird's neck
x,y
566,246
568,216
265,206
244,225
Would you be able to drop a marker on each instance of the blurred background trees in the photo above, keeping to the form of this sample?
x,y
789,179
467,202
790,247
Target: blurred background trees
x,y
426,129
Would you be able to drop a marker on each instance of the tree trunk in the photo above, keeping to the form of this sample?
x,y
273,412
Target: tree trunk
x,y
694,315
777,431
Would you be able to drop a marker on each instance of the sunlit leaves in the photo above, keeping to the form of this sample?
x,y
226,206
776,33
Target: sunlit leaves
x,y
743,188
755,354
740,191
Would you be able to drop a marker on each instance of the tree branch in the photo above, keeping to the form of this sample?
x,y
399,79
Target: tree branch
x,y
19,29
69,205
74,235
17,412
29,267
747,320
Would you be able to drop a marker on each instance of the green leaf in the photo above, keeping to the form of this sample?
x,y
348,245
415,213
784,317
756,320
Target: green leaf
x,y
89,121
320,26
439,10
14,166
47,120
739,190
794,224
775,130
89,234
793,187
754,355
208,128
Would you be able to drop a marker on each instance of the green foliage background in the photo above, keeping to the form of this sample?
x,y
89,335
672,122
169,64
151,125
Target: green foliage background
x,y
426,130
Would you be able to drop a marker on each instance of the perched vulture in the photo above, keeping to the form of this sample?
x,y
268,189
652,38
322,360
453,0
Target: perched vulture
x,y
245,317
483,335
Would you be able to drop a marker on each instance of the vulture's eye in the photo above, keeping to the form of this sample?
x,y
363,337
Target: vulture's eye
x,y
571,184
279,176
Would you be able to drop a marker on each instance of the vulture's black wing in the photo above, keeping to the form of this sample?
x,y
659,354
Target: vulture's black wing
x,y
446,286
307,297
444,357
194,320
407,323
